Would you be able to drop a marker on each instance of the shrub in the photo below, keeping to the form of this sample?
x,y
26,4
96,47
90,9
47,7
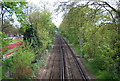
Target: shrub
x,y
97,63
105,75
22,63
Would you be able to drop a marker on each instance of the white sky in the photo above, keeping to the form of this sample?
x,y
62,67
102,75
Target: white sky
x,y
57,18
51,5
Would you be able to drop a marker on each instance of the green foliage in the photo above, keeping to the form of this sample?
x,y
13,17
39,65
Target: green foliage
x,y
7,27
22,63
6,67
97,63
15,7
4,41
38,35
99,35
42,30
19,64
0,70
35,68
31,36
106,75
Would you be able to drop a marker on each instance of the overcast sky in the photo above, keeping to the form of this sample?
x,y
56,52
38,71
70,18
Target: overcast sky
x,y
52,4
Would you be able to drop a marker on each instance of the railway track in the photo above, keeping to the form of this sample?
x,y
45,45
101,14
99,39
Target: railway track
x,y
63,64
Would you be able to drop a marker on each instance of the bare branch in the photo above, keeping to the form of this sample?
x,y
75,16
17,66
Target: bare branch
x,y
110,7
110,13
105,4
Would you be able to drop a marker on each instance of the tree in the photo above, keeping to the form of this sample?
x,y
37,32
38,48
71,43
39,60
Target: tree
x,y
41,33
10,8
7,27
99,34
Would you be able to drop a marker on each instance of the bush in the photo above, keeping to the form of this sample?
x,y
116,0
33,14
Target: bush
x,y
97,63
3,40
35,69
105,75
22,63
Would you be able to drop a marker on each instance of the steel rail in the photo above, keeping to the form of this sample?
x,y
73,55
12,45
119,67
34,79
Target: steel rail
x,y
76,61
67,58
62,65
